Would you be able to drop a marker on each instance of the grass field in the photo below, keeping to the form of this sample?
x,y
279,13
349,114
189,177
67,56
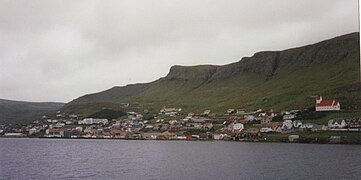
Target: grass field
x,y
316,137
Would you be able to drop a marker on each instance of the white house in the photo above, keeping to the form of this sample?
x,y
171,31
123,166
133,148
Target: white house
x,y
206,112
288,116
54,133
79,129
249,117
297,123
326,105
88,121
293,138
337,123
33,131
236,127
230,111
287,125
218,136
308,125
266,130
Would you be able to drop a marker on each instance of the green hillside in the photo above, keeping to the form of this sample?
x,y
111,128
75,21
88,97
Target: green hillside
x,y
20,112
269,80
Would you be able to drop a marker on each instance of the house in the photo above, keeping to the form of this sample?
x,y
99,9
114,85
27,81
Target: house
x,y
168,135
230,111
33,131
218,136
136,135
249,117
266,119
54,133
120,134
88,121
289,116
277,129
79,129
170,111
207,126
335,139
191,125
266,130
297,123
293,138
287,125
58,125
235,127
356,123
135,116
241,111
197,119
326,105
337,124
252,132
68,133
308,126
149,127
172,122
174,128
152,135
206,112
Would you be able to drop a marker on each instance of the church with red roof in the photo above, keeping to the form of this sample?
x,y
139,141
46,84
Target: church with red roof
x,y
326,105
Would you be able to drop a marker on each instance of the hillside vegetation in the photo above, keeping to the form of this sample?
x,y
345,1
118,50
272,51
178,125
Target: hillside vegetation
x,y
276,80
20,112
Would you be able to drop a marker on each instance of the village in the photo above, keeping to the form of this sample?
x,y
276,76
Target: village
x,y
174,124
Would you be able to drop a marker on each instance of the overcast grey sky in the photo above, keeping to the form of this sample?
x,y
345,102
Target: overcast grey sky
x,y
60,50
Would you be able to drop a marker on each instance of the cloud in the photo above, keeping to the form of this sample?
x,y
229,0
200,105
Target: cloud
x,y
59,50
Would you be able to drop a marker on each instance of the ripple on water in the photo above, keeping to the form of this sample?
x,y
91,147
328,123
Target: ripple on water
x,y
113,159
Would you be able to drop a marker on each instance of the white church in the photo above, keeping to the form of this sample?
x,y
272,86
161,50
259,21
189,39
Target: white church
x,y
326,105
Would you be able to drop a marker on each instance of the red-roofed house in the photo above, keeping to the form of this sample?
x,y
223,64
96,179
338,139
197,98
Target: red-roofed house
x,y
326,105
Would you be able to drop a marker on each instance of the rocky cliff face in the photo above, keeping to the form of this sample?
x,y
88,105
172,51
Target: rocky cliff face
x,y
269,62
193,73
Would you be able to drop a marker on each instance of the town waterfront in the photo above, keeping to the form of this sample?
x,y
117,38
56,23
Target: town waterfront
x,y
24,158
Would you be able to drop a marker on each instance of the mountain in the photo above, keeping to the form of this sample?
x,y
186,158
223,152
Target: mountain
x,y
270,80
20,112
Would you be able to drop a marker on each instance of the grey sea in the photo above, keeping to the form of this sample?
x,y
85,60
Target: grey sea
x,y
126,159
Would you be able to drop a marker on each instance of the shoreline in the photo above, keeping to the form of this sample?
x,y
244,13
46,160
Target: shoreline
x,y
201,140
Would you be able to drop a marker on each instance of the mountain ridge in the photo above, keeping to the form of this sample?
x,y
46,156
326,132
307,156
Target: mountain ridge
x,y
335,55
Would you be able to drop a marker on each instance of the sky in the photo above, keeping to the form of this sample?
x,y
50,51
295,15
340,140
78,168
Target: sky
x,y
60,50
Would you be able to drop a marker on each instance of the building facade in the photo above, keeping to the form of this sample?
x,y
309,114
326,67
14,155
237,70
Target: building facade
x,y
327,105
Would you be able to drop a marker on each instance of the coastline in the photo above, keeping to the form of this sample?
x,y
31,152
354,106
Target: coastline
x,y
200,140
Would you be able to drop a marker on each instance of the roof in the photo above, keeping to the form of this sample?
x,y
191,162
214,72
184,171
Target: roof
x,y
118,131
56,130
167,133
327,103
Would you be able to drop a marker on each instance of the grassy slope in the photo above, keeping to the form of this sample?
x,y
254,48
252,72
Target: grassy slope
x,y
18,112
321,136
289,87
